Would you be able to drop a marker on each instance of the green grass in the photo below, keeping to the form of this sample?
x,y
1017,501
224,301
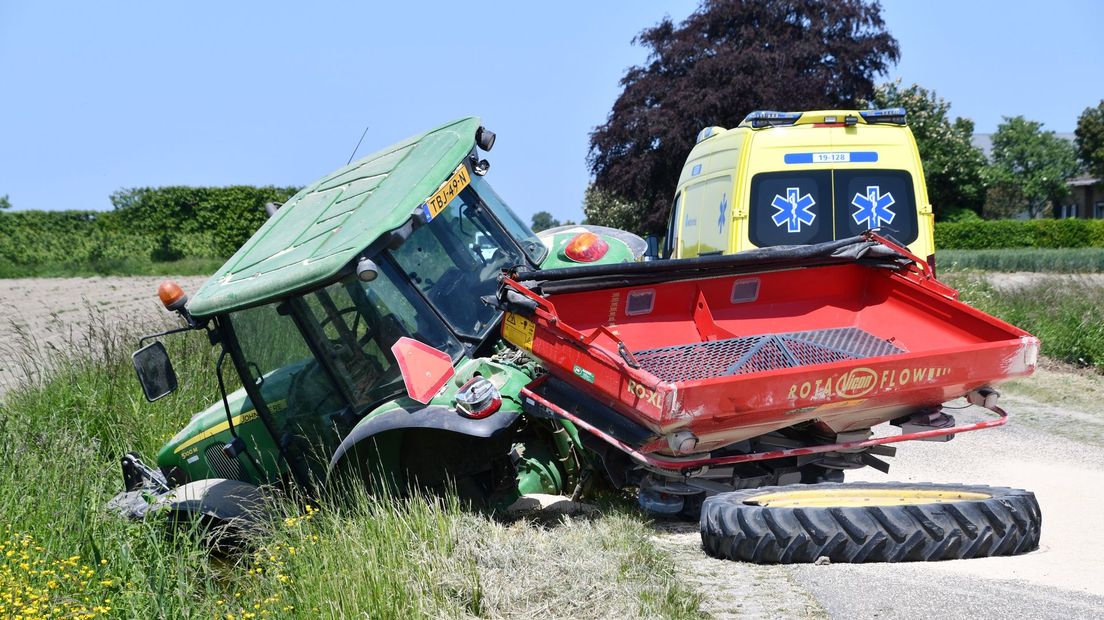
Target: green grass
x,y
60,440
120,267
1066,313
1065,260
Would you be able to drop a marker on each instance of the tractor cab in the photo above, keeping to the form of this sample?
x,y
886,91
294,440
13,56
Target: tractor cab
x,y
361,323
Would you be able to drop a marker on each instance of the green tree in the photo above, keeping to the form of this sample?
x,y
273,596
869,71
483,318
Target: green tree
x,y
543,220
1030,164
603,208
1090,139
728,58
954,169
4,202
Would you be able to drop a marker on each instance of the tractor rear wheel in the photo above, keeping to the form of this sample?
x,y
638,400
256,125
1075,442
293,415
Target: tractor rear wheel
x,y
869,522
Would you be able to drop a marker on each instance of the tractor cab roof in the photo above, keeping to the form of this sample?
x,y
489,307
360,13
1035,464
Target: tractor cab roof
x,y
330,222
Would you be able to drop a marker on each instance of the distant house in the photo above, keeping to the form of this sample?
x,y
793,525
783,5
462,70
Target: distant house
x,y
1086,199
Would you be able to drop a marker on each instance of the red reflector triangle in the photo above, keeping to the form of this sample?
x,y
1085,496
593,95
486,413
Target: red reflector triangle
x,y
424,369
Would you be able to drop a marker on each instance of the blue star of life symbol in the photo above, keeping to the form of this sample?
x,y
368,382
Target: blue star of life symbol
x,y
873,208
794,210
721,218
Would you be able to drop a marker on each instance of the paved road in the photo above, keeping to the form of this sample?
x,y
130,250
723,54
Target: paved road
x,y
1063,579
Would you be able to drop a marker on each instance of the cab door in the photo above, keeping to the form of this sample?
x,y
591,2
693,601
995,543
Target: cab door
x,y
707,219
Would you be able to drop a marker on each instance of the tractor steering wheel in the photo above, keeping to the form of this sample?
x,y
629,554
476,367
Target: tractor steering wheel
x,y
370,327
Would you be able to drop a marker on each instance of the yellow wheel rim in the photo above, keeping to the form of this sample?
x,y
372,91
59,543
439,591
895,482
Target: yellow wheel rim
x,y
862,497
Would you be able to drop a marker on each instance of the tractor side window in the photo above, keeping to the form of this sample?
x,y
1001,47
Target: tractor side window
x,y
351,326
882,199
791,208
295,389
270,341
360,321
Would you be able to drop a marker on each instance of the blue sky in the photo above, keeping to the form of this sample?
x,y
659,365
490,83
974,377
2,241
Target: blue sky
x,y
99,96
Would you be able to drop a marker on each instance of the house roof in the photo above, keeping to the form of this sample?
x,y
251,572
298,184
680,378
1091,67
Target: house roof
x,y
984,141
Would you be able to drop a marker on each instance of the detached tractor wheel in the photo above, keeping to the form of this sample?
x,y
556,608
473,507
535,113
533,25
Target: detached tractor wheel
x,y
869,522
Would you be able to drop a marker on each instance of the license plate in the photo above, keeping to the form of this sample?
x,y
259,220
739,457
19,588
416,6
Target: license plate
x,y
825,158
444,195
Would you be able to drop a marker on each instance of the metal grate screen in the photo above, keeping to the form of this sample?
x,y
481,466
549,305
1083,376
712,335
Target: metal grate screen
x,y
223,465
737,356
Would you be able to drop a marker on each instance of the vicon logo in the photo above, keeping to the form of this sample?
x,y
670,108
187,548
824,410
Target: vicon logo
x,y
858,382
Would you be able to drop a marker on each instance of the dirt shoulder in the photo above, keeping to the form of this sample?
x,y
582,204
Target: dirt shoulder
x,y
1059,399
1018,279
734,589
41,316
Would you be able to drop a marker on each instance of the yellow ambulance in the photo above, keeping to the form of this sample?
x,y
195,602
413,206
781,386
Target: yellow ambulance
x,y
794,178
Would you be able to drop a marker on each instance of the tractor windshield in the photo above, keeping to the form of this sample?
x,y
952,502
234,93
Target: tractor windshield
x,y
455,259
329,350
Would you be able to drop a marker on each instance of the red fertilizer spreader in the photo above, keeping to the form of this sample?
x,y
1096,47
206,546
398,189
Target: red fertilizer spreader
x,y
791,353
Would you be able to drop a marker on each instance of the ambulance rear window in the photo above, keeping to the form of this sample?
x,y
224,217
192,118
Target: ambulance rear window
x,y
813,206
788,208
881,199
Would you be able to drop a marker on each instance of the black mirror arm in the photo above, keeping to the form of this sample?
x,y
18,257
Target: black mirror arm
x,y
175,330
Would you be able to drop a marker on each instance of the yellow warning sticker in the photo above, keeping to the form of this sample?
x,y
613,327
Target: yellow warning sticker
x,y
518,330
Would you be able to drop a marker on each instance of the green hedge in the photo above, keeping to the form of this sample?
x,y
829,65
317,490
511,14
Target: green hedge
x,y
197,221
147,224
1039,260
996,234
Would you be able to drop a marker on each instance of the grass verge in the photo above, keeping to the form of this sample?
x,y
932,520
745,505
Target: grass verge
x,y
121,267
1060,399
1066,313
63,554
1064,260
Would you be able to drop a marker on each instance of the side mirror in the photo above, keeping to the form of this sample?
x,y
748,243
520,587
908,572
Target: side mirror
x,y
155,371
652,253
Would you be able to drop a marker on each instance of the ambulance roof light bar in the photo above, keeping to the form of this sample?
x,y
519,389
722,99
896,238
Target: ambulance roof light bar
x,y
895,116
770,118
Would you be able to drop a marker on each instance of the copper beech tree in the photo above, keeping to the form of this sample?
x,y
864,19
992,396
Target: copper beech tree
x,y
726,59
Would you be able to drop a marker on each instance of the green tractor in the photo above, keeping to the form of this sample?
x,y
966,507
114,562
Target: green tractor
x,y
361,322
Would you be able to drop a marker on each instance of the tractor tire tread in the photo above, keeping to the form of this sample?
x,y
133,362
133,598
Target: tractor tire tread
x,y
1007,522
